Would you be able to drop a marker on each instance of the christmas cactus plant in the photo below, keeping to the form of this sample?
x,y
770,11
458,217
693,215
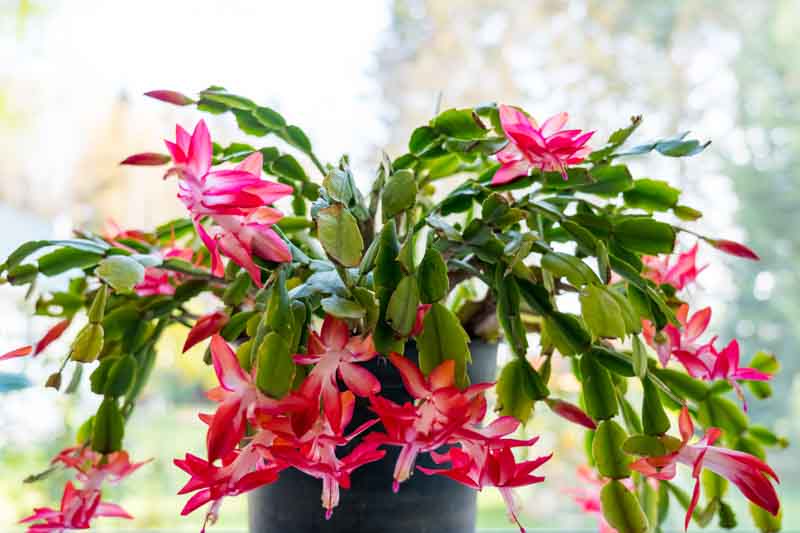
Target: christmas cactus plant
x,y
314,278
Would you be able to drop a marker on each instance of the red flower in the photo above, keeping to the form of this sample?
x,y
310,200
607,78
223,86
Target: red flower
x,y
146,159
442,409
548,148
315,452
239,400
53,334
242,470
496,467
94,469
171,97
745,471
334,352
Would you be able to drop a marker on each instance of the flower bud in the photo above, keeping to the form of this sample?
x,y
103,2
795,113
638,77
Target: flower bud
x,y
733,248
87,345
570,412
205,327
146,159
171,97
54,381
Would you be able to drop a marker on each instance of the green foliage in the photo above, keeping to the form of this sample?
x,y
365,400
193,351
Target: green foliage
x,y
621,509
518,387
607,450
443,338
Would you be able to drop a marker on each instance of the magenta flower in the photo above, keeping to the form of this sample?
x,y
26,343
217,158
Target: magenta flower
x,y
78,508
750,474
708,364
333,352
548,148
236,200
673,339
242,471
684,271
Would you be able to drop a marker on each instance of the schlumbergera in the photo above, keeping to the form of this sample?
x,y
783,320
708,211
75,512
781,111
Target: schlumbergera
x,y
314,279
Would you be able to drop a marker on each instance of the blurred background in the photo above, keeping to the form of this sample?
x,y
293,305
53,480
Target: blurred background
x,y
358,77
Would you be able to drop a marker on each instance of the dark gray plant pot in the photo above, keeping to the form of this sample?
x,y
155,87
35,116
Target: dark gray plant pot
x,y
424,504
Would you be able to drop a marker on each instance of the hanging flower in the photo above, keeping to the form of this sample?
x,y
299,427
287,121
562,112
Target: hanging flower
x,y
235,199
548,148
333,352
709,364
496,468
683,272
748,473
78,508
672,339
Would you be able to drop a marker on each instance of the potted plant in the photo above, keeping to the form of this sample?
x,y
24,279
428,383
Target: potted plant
x,y
347,324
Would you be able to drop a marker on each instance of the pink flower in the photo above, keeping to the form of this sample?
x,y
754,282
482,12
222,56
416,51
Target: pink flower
x,y
547,148
442,409
733,248
496,467
94,469
158,281
708,364
78,508
205,327
684,271
333,352
587,496
672,339
747,472
316,454
236,200
570,412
